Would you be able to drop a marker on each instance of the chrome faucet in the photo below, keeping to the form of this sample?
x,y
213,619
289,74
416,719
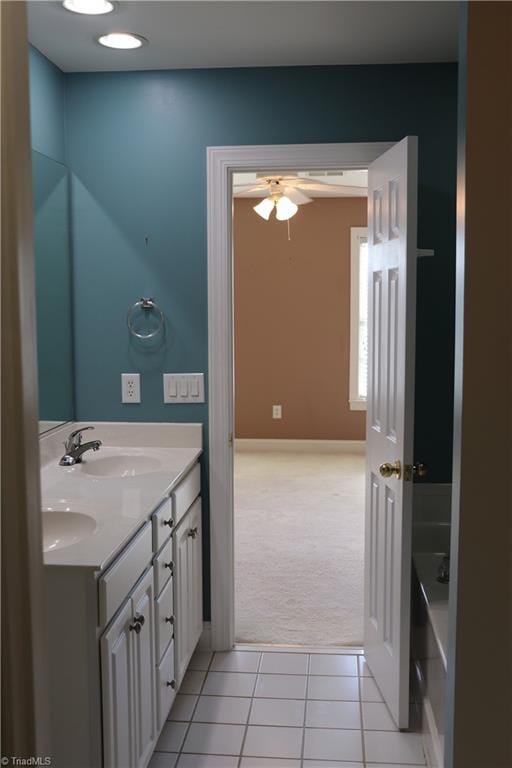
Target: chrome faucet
x,y
75,448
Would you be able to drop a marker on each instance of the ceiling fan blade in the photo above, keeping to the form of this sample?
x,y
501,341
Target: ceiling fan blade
x,y
296,196
248,190
303,181
321,187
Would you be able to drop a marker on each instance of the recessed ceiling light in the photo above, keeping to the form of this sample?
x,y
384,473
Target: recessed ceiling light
x,y
89,7
123,41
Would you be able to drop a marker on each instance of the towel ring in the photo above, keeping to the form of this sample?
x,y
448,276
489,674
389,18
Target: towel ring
x,y
146,305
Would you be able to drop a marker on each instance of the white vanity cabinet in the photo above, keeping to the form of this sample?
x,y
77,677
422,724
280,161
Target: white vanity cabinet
x,y
128,680
120,638
188,587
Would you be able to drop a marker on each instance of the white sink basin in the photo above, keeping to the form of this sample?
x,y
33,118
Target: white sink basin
x,y
63,528
121,465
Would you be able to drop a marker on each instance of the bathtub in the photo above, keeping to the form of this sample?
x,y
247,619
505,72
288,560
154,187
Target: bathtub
x,y
429,640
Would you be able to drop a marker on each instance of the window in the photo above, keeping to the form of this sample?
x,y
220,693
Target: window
x,y
358,318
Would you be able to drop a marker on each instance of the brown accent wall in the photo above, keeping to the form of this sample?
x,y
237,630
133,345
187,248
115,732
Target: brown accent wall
x,y
292,321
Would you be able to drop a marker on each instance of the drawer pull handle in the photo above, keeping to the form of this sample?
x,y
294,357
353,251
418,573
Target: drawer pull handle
x,y
171,683
169,619
170,565
139,620
193,532
135,627
169,522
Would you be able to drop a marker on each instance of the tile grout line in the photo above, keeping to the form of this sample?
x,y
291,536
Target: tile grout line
x,y
363,746
295,727
305,713
240,757
279,674
194,709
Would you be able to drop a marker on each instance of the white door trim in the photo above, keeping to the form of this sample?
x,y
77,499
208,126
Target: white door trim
x,y
222,162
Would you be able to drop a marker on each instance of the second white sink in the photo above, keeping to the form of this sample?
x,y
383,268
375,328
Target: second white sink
x,y
62,528
121,465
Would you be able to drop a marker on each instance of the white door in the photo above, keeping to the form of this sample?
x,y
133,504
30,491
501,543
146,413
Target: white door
x,y
118,692
392,233
144,669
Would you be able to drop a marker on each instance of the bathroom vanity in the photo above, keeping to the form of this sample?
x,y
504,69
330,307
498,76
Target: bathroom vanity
x,y
123,565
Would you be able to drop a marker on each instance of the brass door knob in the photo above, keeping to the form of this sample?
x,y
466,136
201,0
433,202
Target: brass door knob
x,y
391,470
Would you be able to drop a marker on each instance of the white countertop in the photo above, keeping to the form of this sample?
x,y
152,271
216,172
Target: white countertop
x,y
119,505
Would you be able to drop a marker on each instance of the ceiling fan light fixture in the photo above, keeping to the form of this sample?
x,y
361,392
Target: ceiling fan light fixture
x,y
285,209
265,208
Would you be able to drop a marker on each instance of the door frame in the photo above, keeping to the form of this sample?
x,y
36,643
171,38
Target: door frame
x,y
222,162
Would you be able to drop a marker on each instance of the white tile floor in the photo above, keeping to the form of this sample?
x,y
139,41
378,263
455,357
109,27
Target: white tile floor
x,y
274,709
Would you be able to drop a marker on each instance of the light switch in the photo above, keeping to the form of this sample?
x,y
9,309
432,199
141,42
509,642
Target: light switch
x,y
194,387
183,387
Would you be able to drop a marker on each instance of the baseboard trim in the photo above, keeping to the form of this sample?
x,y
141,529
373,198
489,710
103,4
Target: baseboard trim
x,y
321,649
205,641
300,446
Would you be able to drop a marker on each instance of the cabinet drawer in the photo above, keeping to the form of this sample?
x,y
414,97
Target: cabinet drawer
x,y
165,686
162,524
186,493
116,583
164,620
163,567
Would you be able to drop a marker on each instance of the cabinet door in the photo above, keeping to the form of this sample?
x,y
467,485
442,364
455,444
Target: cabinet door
x,y
144,667
181,600
188,587
118,692
195,575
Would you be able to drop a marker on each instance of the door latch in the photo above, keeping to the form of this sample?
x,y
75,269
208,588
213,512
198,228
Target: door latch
x,y
414,470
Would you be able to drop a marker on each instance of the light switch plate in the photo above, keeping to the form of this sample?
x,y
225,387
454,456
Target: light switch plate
x,y
277,411
183,387
130,387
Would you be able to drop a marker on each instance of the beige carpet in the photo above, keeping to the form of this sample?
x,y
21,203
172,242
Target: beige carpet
x,y
299,526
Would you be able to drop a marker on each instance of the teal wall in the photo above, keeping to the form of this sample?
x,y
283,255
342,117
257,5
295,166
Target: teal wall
x,y
52,250
52,241
137,148
47,107
136,144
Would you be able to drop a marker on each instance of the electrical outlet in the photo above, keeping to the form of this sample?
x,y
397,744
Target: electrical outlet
x,y
277,411
130,387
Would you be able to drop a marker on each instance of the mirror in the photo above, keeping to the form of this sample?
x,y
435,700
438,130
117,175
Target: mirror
x,y
53,269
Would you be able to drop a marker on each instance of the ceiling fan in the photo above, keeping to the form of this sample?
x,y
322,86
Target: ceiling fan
x,y
284,193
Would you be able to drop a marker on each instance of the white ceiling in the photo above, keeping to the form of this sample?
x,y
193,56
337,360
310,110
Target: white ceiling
x,y
242,33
